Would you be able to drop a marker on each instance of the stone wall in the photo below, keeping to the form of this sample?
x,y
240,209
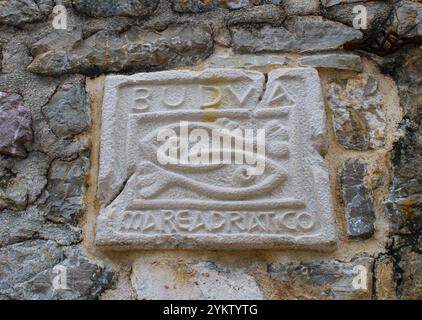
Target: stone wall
x,y
51,90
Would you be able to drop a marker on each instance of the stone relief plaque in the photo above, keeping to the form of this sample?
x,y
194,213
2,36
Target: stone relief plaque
x,y
147,204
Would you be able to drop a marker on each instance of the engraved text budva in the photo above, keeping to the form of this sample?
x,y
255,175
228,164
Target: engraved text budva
x,y
214,202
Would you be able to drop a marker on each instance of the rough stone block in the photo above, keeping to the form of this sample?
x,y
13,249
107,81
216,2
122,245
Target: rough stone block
x,y
262,14
147,204
357,107
246,61
136,49
411,264
407,19
25,181
326,279
341,61
109,8
16,13
15,125
357,199
67,113
330,3
300,34
66,189
301,8
197,6
376,14
169,279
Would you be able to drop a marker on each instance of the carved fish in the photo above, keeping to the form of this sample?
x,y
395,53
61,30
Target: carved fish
x,y
154,178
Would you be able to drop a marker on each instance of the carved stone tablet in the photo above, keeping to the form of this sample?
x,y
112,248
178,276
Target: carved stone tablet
x,y
147,203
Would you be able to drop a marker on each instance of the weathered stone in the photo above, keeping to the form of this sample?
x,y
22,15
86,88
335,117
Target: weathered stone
x,y
36,91
409,78
25,181
411,278
75,277
262,14
404,202
144,204
300,34
31,224
1,57
330,3
57,39
385,280
15,125
407,19
67,112
301,8
342,61
197,6
109,8
117,24
246,61
169,279
16,13
358,116
22,261
137,49
66,189
357,200
403,205
122,288
376,14
327,279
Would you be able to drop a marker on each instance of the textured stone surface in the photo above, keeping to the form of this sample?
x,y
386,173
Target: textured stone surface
x,y
411,285
359,119
330,3
404,201
341,61
197,6
136,49
327,279
31,224
40,270
246,61
1,57
409,79
36,91
16,13
403,204
67,113
84,280
57,39
23,182
66,189
262,14
22,261
407,19
15,125
357,199
385,279
376,14
300,34
301,8
198,280
265,207
131,8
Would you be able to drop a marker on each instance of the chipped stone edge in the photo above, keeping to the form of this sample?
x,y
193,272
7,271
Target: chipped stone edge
x,y
327,240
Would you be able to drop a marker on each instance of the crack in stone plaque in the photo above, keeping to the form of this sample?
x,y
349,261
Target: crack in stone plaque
x,y
216,205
